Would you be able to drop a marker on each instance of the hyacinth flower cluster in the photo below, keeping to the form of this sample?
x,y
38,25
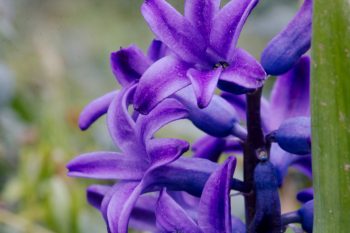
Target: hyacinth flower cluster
x,y
194,71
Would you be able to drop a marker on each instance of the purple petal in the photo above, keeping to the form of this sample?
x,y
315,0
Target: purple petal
x,y
142,216
157,50
244,74
184,174
121,126
208,147
167,111
108,196
142,207
95,194
165,150
95,110
188,202
161,80
228,24
121,205
201,13
174,30
171,217
129,64
266,114
233,145
204,84
305,195
214,206
122,202
285,49
294,135
208,119
106,165
290,96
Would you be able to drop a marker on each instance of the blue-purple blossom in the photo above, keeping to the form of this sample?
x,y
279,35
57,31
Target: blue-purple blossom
x,y
153,186
203,52
126,66
146,164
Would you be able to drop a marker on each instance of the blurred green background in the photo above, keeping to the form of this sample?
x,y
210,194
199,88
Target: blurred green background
x,y
54,59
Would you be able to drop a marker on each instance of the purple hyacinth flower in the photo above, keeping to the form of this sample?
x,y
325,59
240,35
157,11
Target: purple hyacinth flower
x,y
127,72
214,214
142,158
142,216
146,163
285,49
294,135
290,98
204,54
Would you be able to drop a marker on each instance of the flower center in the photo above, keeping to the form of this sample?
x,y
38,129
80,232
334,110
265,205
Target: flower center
x,y
222,64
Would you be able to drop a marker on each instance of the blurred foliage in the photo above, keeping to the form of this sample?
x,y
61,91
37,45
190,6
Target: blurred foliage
x,y
54,58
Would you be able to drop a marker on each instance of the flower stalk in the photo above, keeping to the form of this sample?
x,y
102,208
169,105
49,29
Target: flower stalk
x,y
254,142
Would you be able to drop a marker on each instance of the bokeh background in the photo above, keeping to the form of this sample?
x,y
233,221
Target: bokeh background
x,y
54,59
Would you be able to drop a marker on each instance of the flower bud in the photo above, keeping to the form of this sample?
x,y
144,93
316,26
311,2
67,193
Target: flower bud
x,y
294,135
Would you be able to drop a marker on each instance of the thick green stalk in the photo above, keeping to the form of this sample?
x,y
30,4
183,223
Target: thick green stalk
x,y
331,115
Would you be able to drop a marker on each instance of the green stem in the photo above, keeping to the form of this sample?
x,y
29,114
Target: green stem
x,y
331,115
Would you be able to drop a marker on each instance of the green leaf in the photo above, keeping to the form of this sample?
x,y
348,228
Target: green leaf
x,y
331,115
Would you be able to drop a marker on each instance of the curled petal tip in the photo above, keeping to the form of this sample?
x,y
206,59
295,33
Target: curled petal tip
x,y
214,206
204,84
244,74
128,64
95,110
